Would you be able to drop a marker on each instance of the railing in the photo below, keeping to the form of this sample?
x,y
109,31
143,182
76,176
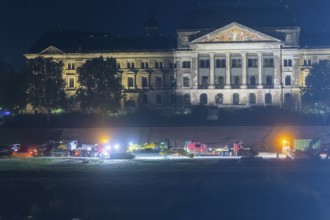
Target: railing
x,y
251,86
235,86
219,86
268,86
203,87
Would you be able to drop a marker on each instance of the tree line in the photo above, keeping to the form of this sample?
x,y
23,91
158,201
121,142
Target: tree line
x,y
40,87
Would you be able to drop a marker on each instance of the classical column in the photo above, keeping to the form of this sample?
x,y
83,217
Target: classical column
x,y
134,80
196,84
228,70
260,67
244,70
211,86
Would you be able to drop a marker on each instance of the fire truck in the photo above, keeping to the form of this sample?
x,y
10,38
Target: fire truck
x,y
196,148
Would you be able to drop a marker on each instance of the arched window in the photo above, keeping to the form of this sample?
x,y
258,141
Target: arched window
x,y
186,99
235,99
288,80
268,99
252,99
219,98
203,99
287,99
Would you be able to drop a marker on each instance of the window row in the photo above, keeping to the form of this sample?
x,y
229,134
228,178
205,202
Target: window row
x,y
252,99
145,82
144,65
235,63
236,80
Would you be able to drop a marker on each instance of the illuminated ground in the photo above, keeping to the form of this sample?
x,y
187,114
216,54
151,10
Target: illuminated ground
x,y
174,188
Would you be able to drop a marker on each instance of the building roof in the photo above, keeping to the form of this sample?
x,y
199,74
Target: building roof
x,y
73,41
255,16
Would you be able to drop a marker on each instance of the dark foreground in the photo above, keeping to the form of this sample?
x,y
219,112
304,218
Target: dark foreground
x,y
164,189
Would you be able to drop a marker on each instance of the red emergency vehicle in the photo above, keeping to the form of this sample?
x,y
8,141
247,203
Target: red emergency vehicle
x,y
196,147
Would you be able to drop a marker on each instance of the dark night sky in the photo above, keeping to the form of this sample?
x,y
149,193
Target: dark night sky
x,y
23,21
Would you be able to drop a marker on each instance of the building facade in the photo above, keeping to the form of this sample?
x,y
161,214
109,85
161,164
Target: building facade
x,y
227,61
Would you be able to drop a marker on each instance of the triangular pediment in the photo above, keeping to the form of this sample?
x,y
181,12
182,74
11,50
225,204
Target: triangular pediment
x,y
51,50
235,32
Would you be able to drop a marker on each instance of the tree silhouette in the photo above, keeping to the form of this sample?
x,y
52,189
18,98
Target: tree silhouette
x,y
316,93
45,85
101,88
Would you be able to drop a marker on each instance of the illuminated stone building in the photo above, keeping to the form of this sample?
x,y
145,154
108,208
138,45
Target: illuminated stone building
x,y
233,57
